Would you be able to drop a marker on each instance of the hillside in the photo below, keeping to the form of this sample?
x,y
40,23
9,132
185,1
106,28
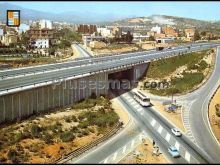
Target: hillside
x,y
161,20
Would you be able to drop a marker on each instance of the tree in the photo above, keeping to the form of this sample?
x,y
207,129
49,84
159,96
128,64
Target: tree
x,y
196,35
129,37
151,38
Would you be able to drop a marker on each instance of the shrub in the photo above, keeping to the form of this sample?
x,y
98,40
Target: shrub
x,y
85,132
35,130
74,118
84,124
12,154
67,136
48,138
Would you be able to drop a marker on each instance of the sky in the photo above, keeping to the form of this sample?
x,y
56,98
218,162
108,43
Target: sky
x,y
203,10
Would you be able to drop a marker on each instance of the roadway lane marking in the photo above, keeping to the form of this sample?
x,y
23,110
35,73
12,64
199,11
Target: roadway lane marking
x,y
160,129
105,161
136,106
153,122
167,137
177,145
115,155
139,109
187,156
124,149
132,143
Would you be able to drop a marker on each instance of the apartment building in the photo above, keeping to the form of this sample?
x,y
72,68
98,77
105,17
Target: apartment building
x,y
87,29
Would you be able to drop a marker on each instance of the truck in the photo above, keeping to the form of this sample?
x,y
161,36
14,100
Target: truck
x,y
159,48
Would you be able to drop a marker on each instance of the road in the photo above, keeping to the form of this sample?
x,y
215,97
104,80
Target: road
x,y
88,69
25,71
155,126
198,113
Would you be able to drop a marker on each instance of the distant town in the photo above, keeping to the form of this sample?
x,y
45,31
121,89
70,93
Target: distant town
x,y
54,39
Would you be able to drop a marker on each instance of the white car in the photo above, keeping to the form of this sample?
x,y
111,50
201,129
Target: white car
x,y
173,152
176,132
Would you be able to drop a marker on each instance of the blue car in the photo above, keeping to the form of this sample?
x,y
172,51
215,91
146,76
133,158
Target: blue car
x,y
173,152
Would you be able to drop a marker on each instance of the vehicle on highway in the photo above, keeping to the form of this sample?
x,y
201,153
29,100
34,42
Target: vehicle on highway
x,y
176,132
173,152
142,99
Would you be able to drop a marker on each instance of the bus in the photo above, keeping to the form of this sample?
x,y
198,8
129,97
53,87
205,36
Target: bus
x,y
142,99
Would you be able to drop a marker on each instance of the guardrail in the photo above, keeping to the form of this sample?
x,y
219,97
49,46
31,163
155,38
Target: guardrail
x,y
85,148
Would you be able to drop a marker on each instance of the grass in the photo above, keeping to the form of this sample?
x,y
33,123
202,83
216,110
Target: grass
x,y
164,67
181,85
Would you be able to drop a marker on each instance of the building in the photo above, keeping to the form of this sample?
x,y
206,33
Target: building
x,y
117,31
45,24
169,31
40,43
164,40
156,29
87,29
41,34
23,28
87,38
104,32
159,35
8,39
189,33
137,37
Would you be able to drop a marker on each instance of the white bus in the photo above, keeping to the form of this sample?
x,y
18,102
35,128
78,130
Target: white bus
x,y
142,99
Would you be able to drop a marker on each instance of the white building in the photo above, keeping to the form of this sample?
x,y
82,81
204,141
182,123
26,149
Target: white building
x,y
137,37
23,28
165,40
104,32
156,29
45,24
41,43
1,32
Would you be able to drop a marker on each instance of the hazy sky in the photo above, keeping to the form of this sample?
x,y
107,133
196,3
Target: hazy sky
x,y
198,10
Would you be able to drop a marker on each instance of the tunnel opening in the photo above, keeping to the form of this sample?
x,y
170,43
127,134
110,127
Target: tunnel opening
x,y
121,82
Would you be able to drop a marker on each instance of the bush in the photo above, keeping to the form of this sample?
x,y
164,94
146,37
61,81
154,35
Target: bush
x,y
67,136
84,124
48,138
202,65
35,130
12,155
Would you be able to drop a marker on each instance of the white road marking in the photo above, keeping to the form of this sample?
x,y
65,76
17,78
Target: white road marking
x,y
137,106
187,156
105,161
139,109
124,149
177,145
160,129
167,137
132,143
153,122
115,155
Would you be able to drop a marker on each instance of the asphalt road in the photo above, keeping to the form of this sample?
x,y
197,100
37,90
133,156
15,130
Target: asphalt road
x,y
198,113
61,74
79,61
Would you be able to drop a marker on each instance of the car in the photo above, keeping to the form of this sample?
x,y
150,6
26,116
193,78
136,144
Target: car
x,y
176,132
173,152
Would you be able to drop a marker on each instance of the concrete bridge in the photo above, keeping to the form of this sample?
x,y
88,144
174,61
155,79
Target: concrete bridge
x,y
32,90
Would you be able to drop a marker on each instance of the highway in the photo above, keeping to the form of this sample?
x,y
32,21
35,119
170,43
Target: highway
x,y
155,126
90,68
19,72
198,113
